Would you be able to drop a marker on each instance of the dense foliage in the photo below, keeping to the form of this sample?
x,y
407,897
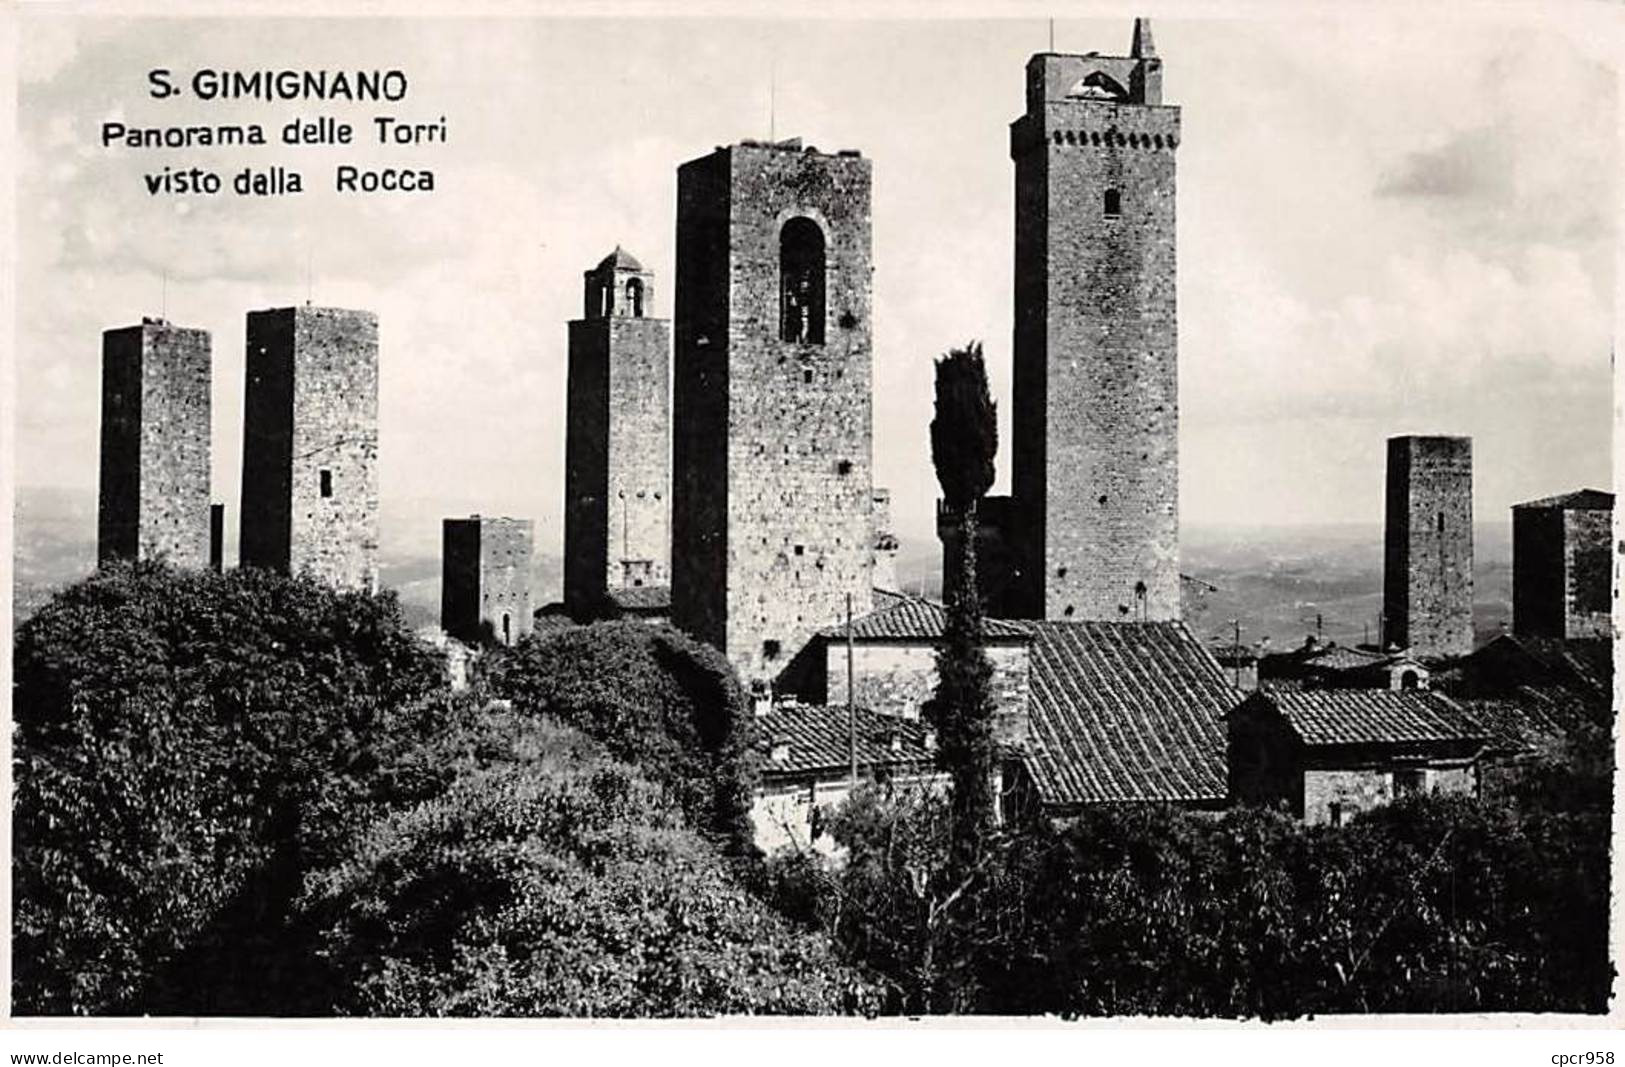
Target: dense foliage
x,y
1433,905
550,879
654,698
187,746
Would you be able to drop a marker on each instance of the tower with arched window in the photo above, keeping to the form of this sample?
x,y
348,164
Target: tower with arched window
x,y
772,511
1095,457
617,438
1427,585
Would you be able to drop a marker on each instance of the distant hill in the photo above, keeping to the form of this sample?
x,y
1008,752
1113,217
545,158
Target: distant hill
x,y
1275,580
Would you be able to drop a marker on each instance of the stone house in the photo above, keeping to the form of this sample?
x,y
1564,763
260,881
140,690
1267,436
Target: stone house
x,y
807,769
1330,753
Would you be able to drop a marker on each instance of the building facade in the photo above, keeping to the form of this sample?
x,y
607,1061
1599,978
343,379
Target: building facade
x,y
1428,547
486,578
772,510
153,496
310,445
1095,464
618,439
1562,566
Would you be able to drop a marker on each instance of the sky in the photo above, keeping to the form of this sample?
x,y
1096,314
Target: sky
x,y
1387,223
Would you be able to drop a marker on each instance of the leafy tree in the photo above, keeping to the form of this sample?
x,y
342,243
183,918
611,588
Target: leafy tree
x,y
654,698
964,441
550,879
187,745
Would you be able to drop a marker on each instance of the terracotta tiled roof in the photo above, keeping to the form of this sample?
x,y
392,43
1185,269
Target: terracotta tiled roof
x,y
621,259
818,738
1579,500
1125,711
915,618
647,598
1374,716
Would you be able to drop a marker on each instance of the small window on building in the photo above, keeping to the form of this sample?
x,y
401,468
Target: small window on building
x,y
507,635
801,550
806,377
770,649
1408,680
1114,204
634,296
844,467
1441,522
327,483
1334,813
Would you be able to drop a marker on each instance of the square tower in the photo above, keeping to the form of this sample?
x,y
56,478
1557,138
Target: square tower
x,y
485,580
310,445
1562,566
1427,596
153,499
617,448
772,513
1095,458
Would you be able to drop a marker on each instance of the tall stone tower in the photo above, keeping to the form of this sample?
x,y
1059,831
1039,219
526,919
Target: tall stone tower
x,y
771,503
310,445
153,500
1095,464
1562,565
1427,597
485,578
618,439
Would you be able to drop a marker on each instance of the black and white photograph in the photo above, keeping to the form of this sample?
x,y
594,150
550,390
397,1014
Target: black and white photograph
x,y
1020,519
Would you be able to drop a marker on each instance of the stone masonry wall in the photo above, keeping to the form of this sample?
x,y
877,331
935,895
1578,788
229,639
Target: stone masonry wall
x,y
505,573
1589,566
897,678
1096,324
324,361
154,496
795,459
1428,547
1539,572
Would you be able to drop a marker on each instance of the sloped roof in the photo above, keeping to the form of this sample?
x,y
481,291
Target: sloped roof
x,y
1373,717
1531,717
646,598
620,259
1586,664
1342,658
1126,711
819,739
1579,500
915,618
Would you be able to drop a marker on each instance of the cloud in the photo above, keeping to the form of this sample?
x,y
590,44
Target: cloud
x,y
1477,163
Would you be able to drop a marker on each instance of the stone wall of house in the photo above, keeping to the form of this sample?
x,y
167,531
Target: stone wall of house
x,y
897,678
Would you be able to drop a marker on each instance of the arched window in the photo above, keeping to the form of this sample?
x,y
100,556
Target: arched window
x,y
1408,680
801,282
634,296
1114,203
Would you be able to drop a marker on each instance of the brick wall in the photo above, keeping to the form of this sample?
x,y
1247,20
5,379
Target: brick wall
x,y
1428,546
310,465
154,481
1096,420
772,525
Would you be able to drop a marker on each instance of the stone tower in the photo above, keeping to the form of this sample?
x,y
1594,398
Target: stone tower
x,y
618,439
886,543
310,445
485,578
1427,593
771,507
1562,566
153,500
1095,460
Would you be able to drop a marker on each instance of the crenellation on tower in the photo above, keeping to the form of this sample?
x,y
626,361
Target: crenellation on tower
x,y
153,493
1428,546
618,438
310,445
772,519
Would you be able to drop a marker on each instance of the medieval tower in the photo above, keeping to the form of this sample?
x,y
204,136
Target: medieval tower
x,y
153,500
1427,596
1095,459
485,579
1562,566
310,445
618,438
772,524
